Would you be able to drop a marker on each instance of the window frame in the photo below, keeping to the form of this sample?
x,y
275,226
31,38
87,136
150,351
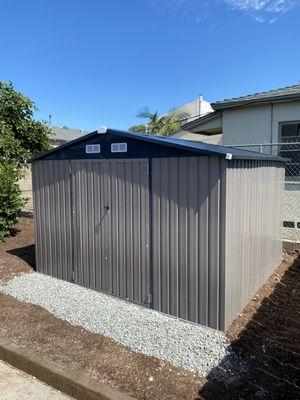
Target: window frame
x,y
297,121
292,167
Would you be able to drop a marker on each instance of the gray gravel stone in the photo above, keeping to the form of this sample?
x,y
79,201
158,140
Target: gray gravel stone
x,y
183,344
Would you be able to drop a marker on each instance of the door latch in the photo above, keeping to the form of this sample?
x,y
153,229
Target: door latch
x,y
106,211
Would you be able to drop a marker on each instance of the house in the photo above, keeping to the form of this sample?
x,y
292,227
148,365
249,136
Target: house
x,y
267,117
186,135
64,134
60,136
267,122
195,109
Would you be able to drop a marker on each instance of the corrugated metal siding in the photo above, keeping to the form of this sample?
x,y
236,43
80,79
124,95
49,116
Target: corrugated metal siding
x,y
253,229
187,197
111,251
215,230
52,208
89,216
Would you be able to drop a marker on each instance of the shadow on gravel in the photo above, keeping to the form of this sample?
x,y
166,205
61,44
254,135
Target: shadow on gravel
x,y
270,348
26,254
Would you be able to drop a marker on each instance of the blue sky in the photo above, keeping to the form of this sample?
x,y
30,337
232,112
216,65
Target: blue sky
x,y
95,62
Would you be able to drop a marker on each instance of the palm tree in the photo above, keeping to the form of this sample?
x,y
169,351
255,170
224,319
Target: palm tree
x,y
163,125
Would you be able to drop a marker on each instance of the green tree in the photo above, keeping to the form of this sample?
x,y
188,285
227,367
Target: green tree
x,y
163,125
21,137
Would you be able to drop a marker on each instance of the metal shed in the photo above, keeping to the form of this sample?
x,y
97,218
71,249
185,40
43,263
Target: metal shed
x,y
187,228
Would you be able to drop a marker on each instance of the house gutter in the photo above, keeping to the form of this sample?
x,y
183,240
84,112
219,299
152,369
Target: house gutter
x,y
203,119
219,106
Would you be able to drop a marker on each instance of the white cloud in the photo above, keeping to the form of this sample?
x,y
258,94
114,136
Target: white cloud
x,y
262,10
272,6
258,10
247,4
259,19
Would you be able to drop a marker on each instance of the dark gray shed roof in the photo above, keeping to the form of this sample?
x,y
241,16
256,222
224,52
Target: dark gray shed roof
x,y
286,93
187,145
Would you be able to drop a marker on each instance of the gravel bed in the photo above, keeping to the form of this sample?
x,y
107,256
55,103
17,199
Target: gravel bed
x,y
181,343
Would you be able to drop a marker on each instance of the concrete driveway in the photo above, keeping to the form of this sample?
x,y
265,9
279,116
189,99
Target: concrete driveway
x,y
16,385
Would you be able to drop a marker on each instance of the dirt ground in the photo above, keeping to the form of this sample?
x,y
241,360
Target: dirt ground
x,y
104,360
266,335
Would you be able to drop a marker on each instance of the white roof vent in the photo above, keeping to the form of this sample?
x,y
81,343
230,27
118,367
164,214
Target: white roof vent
x,y
93,148
102,130
118,147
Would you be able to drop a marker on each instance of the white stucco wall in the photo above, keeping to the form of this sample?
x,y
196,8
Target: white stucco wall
x,y
195,108
257,124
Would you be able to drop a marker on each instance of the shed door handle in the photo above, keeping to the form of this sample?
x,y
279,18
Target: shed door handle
x,y
106,208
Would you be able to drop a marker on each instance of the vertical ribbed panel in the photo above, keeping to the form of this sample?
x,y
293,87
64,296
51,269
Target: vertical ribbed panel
x,y
253,229
186,197
111,226
88,198
52,208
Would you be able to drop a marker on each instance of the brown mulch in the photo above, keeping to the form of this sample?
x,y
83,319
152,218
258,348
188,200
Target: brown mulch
x,y
17,253
266,335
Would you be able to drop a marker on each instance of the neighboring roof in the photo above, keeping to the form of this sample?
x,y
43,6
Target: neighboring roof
x,y
188,145
66,134
198,137
200,120
195,109
286,93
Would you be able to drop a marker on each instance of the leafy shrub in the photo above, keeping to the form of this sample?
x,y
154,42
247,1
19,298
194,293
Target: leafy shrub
x,y
11,202
21,137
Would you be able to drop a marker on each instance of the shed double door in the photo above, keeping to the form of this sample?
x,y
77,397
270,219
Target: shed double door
x,y
111,227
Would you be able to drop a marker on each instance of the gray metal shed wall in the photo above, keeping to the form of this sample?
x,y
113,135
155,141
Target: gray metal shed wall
x,y
187,238
52,207
253,225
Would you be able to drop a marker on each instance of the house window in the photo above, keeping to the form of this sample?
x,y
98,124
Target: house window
x,y
290,147
290,132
